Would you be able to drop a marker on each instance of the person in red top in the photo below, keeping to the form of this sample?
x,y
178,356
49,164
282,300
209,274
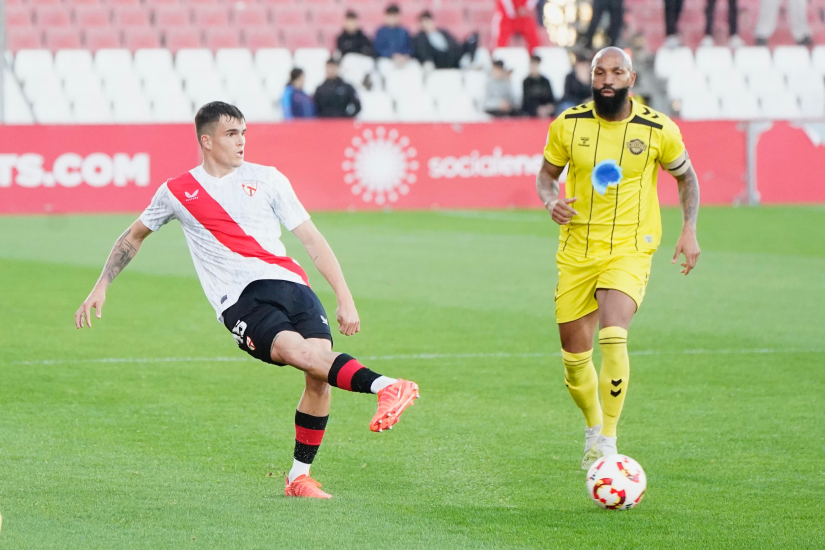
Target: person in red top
x,y
515,16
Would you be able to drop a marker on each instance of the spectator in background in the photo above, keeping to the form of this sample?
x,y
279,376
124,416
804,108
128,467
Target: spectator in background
x,y
353,39
335,98
615,9
733,17
438,46
392,40
797,13
537,99
516,16
295,102
498,96
673,10
577,87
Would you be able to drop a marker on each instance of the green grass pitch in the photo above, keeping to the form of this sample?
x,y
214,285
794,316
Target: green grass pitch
x,y
154,431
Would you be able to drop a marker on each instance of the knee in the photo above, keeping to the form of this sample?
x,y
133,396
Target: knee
x,y
297,353
316,386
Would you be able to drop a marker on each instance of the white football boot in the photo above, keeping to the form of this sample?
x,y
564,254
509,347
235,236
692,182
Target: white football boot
x,y
606,446
591,449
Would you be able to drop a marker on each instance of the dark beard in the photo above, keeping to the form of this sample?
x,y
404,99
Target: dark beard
x,y
610,106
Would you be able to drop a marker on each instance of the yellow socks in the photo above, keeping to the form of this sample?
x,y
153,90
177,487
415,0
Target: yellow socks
x,y
614,376
582,383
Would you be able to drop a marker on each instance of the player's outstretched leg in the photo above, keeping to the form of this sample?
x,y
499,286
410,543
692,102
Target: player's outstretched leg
x,y
345,372
613,381
583,385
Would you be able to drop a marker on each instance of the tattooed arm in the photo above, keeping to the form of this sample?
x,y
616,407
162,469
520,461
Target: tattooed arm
x,y
689,198
122,253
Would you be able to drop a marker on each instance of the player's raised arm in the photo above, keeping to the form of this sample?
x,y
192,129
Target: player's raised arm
x,y
688,183
547,185
324,259
122,253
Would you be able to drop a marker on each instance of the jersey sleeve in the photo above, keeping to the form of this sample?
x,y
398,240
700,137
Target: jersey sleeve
x,y
288,209
160,210
554,151
672,145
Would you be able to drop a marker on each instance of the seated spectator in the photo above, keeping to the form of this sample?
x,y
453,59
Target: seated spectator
x,y
577,86
498,96
438,46
392,40
335,98
538,99
353,39
295,102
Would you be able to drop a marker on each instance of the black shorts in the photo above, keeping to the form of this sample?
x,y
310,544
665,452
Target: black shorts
x,y
268,307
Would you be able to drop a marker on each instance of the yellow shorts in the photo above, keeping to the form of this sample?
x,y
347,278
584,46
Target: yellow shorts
x,y
580,277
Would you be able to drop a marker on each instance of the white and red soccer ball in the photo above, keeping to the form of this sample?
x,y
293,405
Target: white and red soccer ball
x,y
616,482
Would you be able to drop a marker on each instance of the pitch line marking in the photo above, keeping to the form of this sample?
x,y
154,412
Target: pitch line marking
x,y
418,356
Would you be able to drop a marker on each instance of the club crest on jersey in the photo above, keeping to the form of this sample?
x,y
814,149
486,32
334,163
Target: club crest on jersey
x,y
249,187
636,146
249,343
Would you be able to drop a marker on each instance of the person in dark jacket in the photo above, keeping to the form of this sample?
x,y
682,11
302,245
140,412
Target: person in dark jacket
x,y
353,39
392,40
439,46
335,98
577,87
537,98
295,102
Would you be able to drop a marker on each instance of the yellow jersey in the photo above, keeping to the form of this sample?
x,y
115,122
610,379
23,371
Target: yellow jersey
x,y
613,167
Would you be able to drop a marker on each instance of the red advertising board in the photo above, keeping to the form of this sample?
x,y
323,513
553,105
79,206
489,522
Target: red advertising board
x,y
789,157
333,165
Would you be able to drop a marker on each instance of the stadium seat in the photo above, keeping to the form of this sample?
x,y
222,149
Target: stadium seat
x,y
791,59
752,60
172,108
273,61
80,85
672,60
555,65
151,61
475,82
713,60
76,3
121,86
329,16
113,62
158,3
258,39
515,59
130,16
226,37
744,106
288,15
123,3
811,106
211,16
376,107
193,61
30,62
250,15
23,39
91,111
727,84
313,62
43,88
54,111
818,59
182,38
449,18
686,84
355,67
700,107
457,108
404,84
483,60
135,110
100,38
91,16
297,38
172,16
444,82
416,108
37,3
247,84
234,60
274,85
16,108
781,106
159,85
73,62
769,82
255,108
141,38
806,82
18,18
52,16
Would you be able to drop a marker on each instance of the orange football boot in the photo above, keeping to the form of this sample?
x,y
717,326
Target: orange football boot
x,y
392,401
304,486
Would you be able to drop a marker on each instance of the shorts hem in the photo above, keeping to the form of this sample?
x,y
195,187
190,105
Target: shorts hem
x,y
637,302
562,320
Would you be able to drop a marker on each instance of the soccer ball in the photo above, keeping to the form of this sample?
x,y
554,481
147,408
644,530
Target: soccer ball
x,y
616,482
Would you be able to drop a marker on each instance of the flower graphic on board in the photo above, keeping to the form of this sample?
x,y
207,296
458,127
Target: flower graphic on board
x,y
380,165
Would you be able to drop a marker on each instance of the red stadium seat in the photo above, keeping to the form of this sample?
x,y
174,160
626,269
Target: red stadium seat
x,y
211,16
91,16
153,3
299,38
83,2
177,39
38,3
252,15
98,39
130,16
255,39
52,16
23,39
205,2
291,15
222,38
14,3
123,3
279,2
141,38
167,17
62,39
18,18
481,16
448,17
328,16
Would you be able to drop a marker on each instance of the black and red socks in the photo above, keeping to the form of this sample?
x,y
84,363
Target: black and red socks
x,y
348,374
309,432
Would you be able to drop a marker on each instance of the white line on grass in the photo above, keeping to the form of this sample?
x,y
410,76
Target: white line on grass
x,y
419,356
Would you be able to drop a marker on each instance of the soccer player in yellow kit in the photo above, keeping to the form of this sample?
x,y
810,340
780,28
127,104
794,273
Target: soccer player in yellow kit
x,y
610,228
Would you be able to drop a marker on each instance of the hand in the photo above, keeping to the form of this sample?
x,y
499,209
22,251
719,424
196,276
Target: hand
x,y
689,246
94,301
561,211
348,321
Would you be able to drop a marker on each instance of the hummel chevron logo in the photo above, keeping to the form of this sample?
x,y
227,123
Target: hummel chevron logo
x,y
191,197
615,393
616,382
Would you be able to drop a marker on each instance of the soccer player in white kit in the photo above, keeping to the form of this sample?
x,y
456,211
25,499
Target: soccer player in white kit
x,y
231,213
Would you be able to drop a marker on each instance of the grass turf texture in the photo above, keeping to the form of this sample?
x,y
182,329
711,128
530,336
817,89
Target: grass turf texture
x,y
192,453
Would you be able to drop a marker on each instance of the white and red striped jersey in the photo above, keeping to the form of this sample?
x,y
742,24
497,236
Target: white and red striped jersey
x,y
232,226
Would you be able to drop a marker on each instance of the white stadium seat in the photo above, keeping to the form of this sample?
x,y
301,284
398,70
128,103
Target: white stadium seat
x,y
30,63
162,84
113,62
78,86
817,59
274,87
313,61
714,60
42,85
781,107
458,107
672,60
685,84
811,106
806,82
191,61
73,62
273,60
700,107
249,86
741,106
16,109
403,84
416,108
768,83
753,60
376,107
444,82
172,108
54,111
255,107
121,85
515,59
727,84
555,65
91,111
132,110
791,59
475,82
231,61
354,67
483,60
152,61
